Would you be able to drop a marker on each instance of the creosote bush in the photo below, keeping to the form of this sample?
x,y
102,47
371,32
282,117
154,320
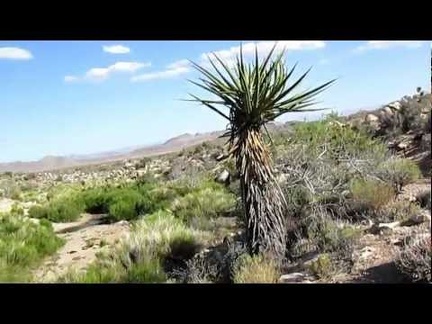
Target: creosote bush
x,y
400,210
372,194
398,172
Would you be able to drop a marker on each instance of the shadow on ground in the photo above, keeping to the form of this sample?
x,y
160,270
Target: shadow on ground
x,y
383,273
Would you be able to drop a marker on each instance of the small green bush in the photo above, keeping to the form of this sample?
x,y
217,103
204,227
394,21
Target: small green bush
x,y
399,172
96,200
23,244
128,205
397,211
59,210
149,271
127,202
17,210
323,267
206,203
340,142
96,272
371,193
329,237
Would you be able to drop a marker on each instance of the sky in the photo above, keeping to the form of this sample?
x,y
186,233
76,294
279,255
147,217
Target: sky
x,y
83,97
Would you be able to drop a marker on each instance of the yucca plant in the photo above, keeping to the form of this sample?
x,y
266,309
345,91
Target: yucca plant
x,y
256,93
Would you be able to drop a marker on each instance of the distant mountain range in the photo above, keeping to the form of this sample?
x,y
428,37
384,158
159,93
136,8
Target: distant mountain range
x,y
59,162
172,145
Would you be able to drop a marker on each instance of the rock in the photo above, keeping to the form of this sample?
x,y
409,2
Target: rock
x,y
371,118
415,220
296,277
403,145
388,111
123,223
383,228
395,105
223,177
373,121
308,262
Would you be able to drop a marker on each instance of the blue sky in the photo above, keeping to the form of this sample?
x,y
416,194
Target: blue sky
x,y
70,97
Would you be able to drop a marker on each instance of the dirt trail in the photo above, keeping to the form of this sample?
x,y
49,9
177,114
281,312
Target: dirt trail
x,y
375,261
84,239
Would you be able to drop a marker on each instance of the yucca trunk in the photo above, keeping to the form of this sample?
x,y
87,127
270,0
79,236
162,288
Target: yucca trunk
x,y
263,201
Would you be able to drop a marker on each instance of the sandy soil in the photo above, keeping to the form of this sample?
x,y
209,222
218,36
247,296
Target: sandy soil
x,y
84,239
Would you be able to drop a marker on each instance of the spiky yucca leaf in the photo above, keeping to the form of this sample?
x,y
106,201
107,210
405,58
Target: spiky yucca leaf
x,y
256,94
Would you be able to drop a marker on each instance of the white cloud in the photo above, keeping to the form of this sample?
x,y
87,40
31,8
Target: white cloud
x,y
264,47
70,78
228,56
101,74
116,49
172,70
380,45
15,53
178,64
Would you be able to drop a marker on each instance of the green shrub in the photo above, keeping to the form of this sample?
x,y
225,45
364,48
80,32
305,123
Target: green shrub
x,y
149,271
127,202
330,237
371,193
205,203
128,205
323,267
59,210
96,200
399,172
16,210
23,244
397,211
340,142
95,273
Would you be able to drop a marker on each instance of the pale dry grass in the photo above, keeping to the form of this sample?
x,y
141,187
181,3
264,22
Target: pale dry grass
x,y
256,269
